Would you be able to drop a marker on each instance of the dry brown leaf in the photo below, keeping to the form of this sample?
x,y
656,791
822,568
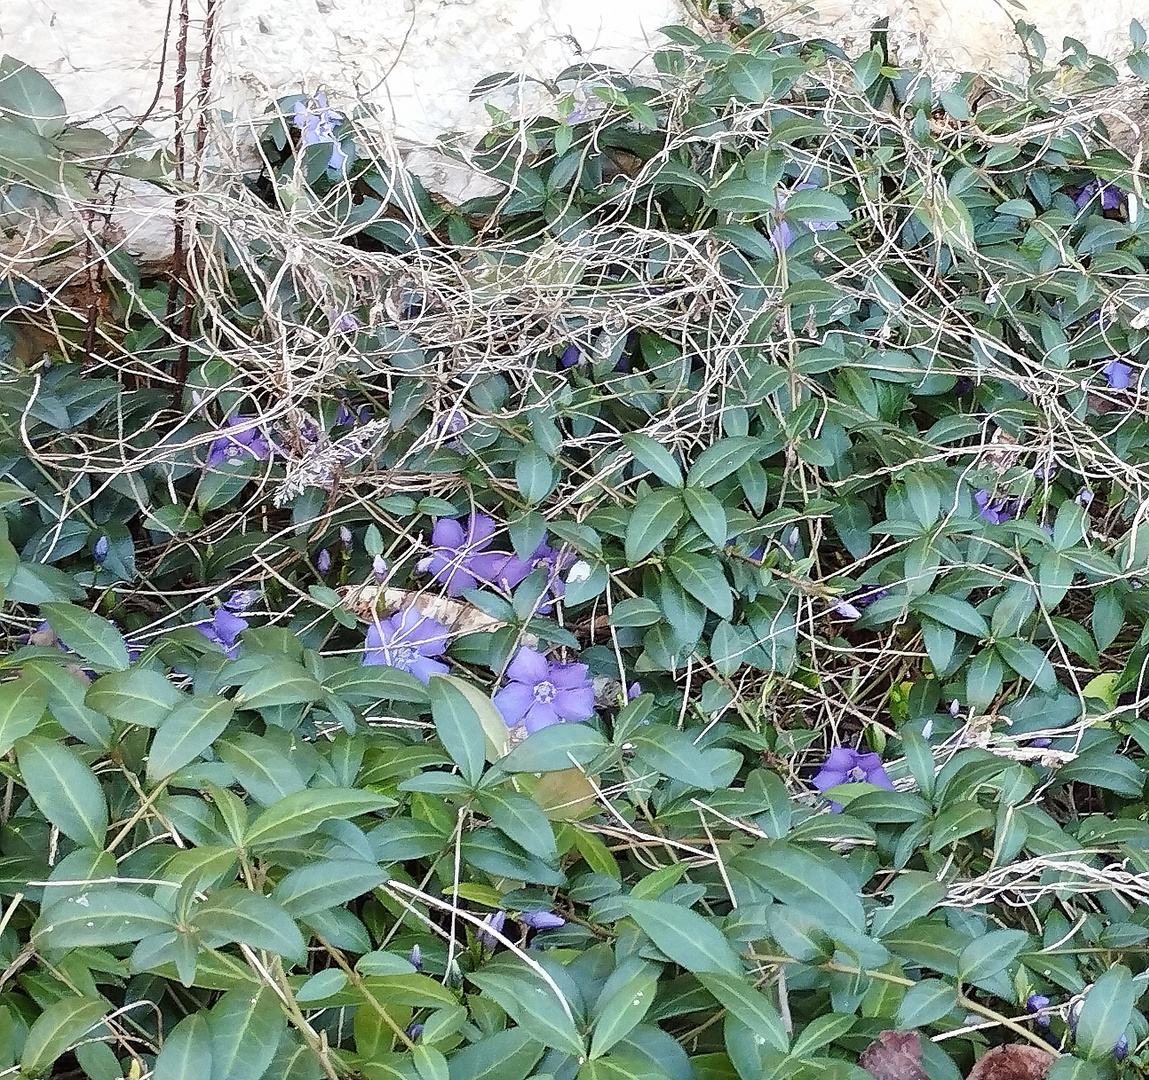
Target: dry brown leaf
x,y
1014,1062
368,602
894,1055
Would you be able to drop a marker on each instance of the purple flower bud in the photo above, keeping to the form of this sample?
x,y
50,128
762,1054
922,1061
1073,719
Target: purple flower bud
x,y
633,691
542,920
342,322
379,569
847,610
100,550
1034,1004
1040,744
414,1030
570,356
323,562
1084,497
1121,1048
345,537
241,599
955,707
495,922
415,958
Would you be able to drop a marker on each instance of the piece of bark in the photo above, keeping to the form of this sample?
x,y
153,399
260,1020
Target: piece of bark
x,y
894,1055
1014,1062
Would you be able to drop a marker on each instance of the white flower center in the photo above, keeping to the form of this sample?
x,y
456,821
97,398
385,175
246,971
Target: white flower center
x,y
402,656
544,692
857,774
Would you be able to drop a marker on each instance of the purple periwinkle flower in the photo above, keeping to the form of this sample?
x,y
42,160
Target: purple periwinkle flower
x,y
1111,195
241,599
1117,374
633,690
1040,743
867,595
539,693
415,958
100,550
379,569
409,641
847,610
996,511
1083,498
494,921
570,356
342,322
230,446
781,235
459,558
1034,1004
542,920
954,707
1121,1047
344,415
323,561
318,126
414,1030
223,628
844,765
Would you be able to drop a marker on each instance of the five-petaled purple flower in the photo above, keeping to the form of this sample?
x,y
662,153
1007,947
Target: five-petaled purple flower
x,y
319,126
1117,374
223,628
996,511
230,446
542,920
781,235
844,765
539,693
409,641
460,559
1034,1004
1111,195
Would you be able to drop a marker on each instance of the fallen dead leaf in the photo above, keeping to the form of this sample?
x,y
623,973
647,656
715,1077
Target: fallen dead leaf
x,y
894,1055
1014,1062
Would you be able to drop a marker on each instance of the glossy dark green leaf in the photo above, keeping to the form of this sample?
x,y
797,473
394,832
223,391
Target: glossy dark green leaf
x,y
326,884
100,916
505,1055
299,814
89,634
652,520
925,1002
703,578
685,936
22,705
186,733
553,748
240,915
717,462
1105,1013
246,1028
459,726
186,1051
751,1006
522,819
64,789
57,1029
653,456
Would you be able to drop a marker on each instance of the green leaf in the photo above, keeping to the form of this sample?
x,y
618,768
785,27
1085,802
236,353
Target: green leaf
x,y
652,520
621,1009
100,916
64,789
957,821
740,196
186,733
703,578
322,985
821,1032
674,754
957,614
186,1052
751,1006
278,682
22,704
239,915
89,634
246,1028
522,819
718,461
29,99
926,1002
57,1029
814,204
685,936
983,679
459,726
653,456
1104,769
553,748
991,954
804,881
326,884
303,811
751,76
533,1005
915,894
1028,661
510,1054
1105,1013
635,611
534,473
708,512
136,696
365,684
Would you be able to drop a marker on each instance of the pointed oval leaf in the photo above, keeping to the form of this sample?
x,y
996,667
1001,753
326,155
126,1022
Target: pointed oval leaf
x,y
246,1028
622,1011
89,634
57,1029
22,704
654,456
703,578
279,682
1105,1013
926,1002
522,819
652,520
64,789
100,916
750,1006
459,726
708,512
240,915
326,884
186,1053
136,696
553,748
186,733
301,812
685,936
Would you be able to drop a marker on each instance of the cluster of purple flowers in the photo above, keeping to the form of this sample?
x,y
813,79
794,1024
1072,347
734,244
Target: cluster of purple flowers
x,y
997,511
539,692
845,765
460,560
232,445
318,126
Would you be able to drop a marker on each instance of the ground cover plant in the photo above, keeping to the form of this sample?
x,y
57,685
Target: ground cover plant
x,y
679,616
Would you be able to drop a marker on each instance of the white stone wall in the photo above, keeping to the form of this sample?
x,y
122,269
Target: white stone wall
x,y
416,60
